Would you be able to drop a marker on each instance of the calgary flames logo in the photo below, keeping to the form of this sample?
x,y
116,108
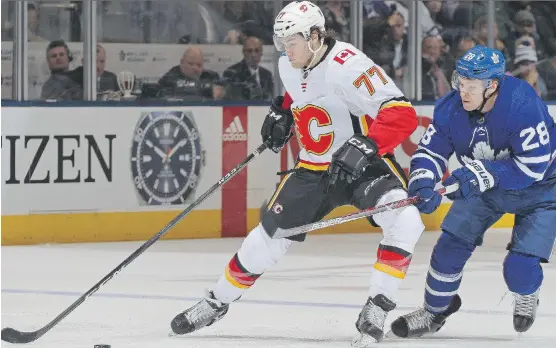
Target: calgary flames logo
x,y
304,117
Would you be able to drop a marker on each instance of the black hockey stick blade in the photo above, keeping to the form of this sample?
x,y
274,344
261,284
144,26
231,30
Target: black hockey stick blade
x,y
15,336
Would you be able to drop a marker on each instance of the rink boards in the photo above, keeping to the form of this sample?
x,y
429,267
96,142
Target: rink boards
x,y
84,174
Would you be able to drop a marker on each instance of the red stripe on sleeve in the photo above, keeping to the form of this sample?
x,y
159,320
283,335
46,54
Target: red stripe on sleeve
x,y
392,126
287,101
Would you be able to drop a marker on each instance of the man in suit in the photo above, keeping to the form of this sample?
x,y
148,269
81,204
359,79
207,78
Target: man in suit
x,y
248,80
107,80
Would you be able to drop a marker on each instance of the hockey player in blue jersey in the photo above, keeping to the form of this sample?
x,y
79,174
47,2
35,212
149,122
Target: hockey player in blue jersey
x,y
505,140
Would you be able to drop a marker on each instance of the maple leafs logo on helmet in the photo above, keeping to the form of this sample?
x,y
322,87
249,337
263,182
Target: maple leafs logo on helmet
x,y
495,58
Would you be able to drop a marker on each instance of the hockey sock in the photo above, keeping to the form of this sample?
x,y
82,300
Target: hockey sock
x,y
389,270
445,272
257,253
523,273
401,230
235,281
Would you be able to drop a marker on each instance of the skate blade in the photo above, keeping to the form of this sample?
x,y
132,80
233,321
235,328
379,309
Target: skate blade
x,y
173,334
390,335
364,341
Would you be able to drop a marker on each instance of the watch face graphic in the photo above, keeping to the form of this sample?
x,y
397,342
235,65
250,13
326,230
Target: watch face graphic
x,y
166,157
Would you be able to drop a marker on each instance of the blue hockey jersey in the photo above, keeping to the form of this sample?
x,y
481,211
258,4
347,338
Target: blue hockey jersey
x,y
518,136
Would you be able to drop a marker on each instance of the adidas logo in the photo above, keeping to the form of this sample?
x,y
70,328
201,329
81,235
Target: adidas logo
x,y
235,131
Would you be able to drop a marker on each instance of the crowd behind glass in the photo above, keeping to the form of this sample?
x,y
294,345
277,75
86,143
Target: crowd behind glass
x,y
525,31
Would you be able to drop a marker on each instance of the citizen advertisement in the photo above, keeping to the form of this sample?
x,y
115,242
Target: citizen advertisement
x,y
100,159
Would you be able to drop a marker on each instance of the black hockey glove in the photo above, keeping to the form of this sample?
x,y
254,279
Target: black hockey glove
x,y
350,161
277,125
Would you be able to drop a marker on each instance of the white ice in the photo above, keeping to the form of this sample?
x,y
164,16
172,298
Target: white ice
x,y
310,299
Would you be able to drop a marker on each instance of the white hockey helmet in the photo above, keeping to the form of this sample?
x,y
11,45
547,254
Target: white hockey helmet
x,y
298,17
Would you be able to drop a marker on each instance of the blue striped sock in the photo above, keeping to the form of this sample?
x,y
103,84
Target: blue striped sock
x,y
445,272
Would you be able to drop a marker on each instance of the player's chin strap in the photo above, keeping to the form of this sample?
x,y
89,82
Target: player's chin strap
x,y
315,53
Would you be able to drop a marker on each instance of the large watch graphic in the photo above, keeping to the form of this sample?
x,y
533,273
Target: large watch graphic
x,y
166,157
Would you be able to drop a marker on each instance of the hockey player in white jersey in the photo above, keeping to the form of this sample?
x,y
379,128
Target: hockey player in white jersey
x,y
348,116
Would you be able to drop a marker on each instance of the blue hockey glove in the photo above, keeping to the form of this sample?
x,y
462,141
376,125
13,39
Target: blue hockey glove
x,y
421,183
474,178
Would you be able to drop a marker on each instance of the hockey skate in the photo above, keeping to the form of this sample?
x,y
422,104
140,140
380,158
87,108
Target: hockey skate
x,y
370,323
422,322
205,313
525,310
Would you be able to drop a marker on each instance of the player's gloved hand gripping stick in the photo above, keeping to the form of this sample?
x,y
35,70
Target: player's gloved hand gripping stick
x,y
16,336
284,233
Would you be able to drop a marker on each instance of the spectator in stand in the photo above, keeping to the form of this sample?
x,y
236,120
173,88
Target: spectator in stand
x,y
107,80
458,41
440,17
526,66
469,12
385,42
189,79
544,14
547,69
247,80
384,9
525,26
337,19
252,17
33,24
62,83
480,35
434,82
464,44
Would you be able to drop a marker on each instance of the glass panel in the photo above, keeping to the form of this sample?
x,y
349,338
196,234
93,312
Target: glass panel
x,y
385,39
532,43
525,32
337,15
8,13
456,27
187,50
55,50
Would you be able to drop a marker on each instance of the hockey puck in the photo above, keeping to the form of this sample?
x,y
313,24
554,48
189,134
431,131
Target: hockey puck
x,y
102,346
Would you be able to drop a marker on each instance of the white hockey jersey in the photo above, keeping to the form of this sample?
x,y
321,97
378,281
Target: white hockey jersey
x,y
345,93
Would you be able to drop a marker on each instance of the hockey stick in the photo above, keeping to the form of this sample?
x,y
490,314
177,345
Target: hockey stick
x,y
15,336
289,232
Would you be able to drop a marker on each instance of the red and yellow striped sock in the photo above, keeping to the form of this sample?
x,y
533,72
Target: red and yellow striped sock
x,y
392,260
238,276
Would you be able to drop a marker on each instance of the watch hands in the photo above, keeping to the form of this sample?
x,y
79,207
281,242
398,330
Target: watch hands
x,y
175,148
158,151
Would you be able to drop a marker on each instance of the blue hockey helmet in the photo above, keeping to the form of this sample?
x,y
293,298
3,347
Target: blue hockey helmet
x,y
480,63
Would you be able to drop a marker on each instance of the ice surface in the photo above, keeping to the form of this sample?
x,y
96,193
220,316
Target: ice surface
x,y
310,299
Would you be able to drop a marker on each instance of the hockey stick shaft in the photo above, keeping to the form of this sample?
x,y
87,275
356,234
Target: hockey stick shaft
x,y
284,233
15,336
